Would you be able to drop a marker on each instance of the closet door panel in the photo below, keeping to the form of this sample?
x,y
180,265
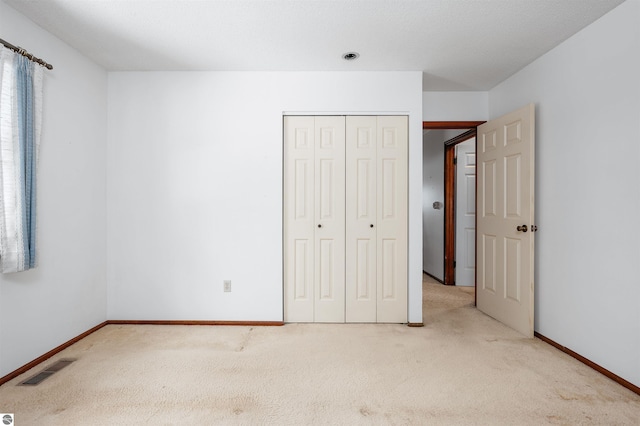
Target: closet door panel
x,y
345,214
361,211
330,221
299,218
392,187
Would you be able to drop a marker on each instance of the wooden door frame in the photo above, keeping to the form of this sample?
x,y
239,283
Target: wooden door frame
x,y
449,188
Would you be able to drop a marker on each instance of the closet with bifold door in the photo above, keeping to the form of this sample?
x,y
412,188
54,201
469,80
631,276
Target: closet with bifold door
x,y
345,218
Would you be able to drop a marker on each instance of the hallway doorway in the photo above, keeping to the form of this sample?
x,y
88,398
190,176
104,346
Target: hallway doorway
x,y
439,198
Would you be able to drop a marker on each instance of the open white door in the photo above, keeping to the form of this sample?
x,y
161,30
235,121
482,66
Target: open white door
x,y
466,213
505,219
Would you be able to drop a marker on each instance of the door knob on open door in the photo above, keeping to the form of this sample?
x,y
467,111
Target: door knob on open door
x,y
522,228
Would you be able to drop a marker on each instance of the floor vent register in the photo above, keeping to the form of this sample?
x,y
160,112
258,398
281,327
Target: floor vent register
x,y
47,372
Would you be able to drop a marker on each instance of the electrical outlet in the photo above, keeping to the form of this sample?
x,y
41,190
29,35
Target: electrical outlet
x,y
227,286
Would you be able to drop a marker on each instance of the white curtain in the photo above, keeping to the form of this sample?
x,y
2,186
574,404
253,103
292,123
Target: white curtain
x,y
20,128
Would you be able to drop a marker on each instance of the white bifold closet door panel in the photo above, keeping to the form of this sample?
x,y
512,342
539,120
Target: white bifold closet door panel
x,y
330,228
362,271
314,219
392,184
376,211
345,219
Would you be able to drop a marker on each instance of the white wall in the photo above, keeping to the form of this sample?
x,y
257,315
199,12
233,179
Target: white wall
x,y
66,294
195,185
587,96
455,106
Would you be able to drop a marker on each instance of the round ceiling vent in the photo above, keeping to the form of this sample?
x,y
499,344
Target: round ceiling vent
x,y
350,56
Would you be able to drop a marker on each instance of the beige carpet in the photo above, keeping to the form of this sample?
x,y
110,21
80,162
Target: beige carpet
x,y
461,368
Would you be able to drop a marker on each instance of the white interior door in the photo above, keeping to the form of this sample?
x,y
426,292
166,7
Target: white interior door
x,y
466,213
330,219
376,214
314,230
345,219
299,218
505,209
361,219
392,206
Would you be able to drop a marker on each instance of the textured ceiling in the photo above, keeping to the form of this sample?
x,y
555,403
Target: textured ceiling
x,y
457,44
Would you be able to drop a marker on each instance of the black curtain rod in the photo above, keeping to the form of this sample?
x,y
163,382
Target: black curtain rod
x,y
24,53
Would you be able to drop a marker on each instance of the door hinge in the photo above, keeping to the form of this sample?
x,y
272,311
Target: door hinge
x,y
454,263
455,160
